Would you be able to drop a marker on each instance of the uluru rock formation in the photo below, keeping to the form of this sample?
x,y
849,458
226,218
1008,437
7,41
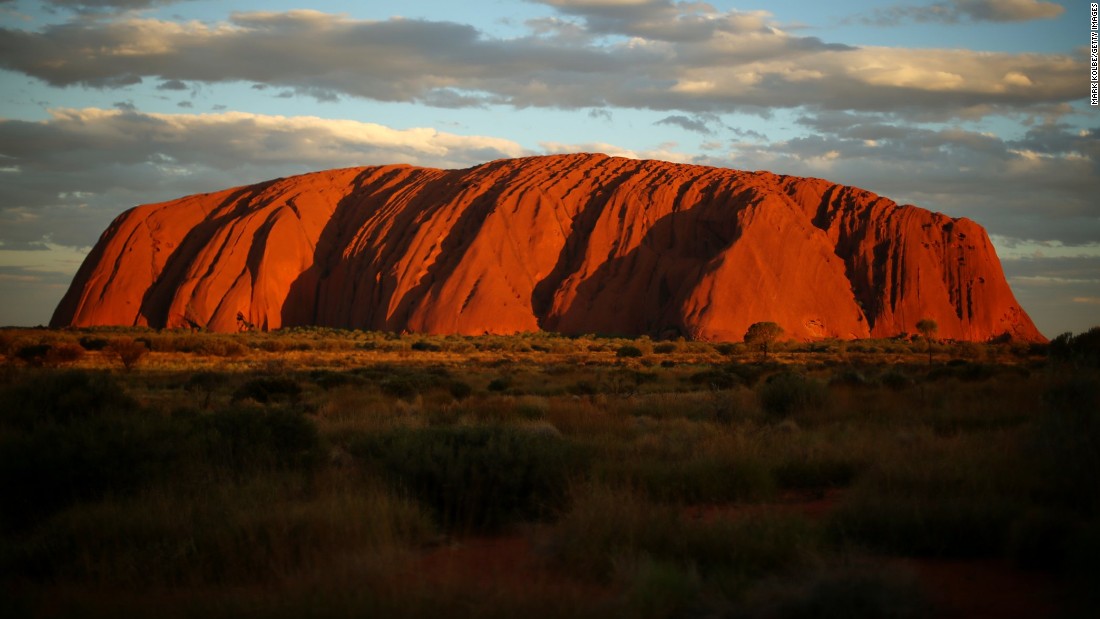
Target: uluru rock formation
x,y
573,243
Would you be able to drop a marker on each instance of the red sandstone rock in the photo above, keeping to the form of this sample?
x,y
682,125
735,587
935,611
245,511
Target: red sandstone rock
x,y
573,243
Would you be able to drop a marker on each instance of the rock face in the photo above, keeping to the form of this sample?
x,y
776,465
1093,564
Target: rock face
x,y
572,243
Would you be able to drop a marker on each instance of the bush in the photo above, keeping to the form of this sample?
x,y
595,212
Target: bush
x,y
92,343
664,348
61,397
33,354
205,383
250,439
70,436
129,351
64,352
788,393
841,592
628,351
895,380
606,525
1064,446
460,390
476,478
1042,539
726,348
697,480
715,379
1082,348
908,523
52,467
849,377
269,389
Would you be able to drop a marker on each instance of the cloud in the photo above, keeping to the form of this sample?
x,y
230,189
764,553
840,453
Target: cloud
x,y
695,123
660,20
75,171
662,153
109,6
1036,186
957,11
699,60
172,85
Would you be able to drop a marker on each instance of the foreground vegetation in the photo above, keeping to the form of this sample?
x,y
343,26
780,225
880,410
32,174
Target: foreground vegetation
x,y
327,473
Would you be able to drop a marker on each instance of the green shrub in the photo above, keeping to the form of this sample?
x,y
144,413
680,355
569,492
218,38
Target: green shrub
x,y
249,439
606,525
205,383
942,526
1042,539
33,354
840,592
695,480
628,350
715,379
460,390
60,397
1064,445
816,472
476,478
257,531
583,387
328,379
74,436
269,389
849,377
92,343
662,589
786,394
726,348
1083,348
895,380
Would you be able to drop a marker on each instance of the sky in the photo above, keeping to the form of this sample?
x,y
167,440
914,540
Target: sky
x,y
973,108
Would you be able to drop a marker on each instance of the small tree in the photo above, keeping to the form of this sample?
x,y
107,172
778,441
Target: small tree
x,y
928,328
129,351
762,334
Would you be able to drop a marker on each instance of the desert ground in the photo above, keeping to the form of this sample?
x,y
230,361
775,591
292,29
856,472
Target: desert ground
x,y
326,473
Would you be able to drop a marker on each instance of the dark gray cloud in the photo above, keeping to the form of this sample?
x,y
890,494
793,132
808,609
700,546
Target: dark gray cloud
x,y
600,114
696,124
65,179
1039,186
957,11
109,6
737,62
172,85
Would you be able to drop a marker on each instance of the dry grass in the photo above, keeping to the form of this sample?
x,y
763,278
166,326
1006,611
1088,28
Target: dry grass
x,y
288,473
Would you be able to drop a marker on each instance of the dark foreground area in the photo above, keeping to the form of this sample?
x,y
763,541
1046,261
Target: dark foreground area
x,y
345,474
